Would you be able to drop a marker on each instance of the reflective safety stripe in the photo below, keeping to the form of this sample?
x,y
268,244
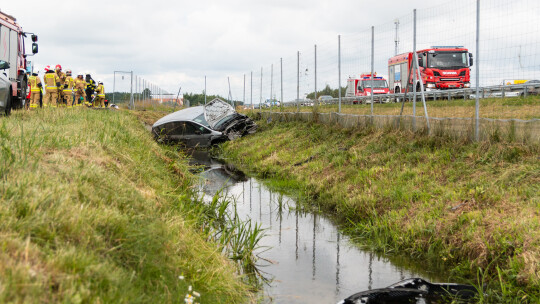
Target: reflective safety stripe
x,y
33,106
48,78
33,84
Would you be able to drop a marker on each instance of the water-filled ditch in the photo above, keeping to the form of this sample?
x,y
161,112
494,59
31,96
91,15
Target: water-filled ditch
x,y
304,254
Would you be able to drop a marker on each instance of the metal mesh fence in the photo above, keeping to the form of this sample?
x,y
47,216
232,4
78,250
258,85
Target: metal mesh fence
x,y
507,58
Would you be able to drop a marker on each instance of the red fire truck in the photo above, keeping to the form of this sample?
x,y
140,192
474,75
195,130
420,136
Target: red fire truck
x,y
441,67
12,51
362,86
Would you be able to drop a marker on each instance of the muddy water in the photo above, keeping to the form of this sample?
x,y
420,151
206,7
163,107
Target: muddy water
x,y
307,258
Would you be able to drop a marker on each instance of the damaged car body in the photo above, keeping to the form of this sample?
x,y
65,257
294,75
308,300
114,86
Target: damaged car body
x,y
203,126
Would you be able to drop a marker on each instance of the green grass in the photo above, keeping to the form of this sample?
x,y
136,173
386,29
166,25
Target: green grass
x,y
465,206
94,211
496,108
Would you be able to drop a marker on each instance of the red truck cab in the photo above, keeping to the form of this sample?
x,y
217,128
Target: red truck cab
x,y
12,50
362,86
441,67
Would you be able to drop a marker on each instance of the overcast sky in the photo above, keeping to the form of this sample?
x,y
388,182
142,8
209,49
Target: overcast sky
x,y
173,43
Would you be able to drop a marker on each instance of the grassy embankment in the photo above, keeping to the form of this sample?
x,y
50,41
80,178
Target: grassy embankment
x,y
92,210
468,206
496,108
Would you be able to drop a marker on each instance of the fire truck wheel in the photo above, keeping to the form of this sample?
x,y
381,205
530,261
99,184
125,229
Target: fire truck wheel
x,y
22,97
7,110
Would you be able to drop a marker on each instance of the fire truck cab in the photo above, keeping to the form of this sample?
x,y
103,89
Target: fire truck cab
x,y
12,51
362,86
441,67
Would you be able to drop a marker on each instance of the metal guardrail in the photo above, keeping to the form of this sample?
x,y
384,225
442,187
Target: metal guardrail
x,y
513,90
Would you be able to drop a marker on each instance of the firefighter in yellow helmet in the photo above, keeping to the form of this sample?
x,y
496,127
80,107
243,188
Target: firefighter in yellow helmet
x,y
99,101
80,86
52,82
69,83
35,87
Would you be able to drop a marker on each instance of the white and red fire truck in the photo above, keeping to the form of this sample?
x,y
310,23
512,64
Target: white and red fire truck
x,y
362,86
441,67
12,51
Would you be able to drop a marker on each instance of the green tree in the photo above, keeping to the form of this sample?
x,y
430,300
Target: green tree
x,y
328,91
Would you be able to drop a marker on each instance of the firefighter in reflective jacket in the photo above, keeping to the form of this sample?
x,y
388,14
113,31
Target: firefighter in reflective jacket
x,y
90,88
35,88
52,82
62,76
80,85
99,101
68,89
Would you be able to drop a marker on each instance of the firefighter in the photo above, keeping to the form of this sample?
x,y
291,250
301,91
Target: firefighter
x,y
62,76
35,90
52,82
99,101
90,88
68,89
80,85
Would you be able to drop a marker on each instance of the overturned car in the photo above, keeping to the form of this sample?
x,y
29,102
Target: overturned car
x,y
203,126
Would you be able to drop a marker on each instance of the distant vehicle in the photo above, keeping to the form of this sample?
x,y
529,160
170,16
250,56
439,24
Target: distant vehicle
x,y
272,103
13,52
324,99
5,88
441,67
362,86
203,126
305,102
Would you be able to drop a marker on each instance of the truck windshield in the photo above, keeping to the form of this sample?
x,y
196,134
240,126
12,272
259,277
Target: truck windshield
x,y
447,60
377,83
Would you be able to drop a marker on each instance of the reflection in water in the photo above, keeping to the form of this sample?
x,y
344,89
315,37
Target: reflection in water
x,y
332,270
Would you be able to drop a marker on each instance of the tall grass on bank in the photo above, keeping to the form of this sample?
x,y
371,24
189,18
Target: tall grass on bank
x,y
91,212
495,108
464,205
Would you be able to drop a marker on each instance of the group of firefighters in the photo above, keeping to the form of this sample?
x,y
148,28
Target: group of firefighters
x,y
60,89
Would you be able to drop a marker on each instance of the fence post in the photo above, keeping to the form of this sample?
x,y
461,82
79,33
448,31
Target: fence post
x,y
477,101
131,92
298,81
244,96
372,67
417,73
339,73
204,89
260,98
415,57
316,101
271,86
114,85
281,87
251,90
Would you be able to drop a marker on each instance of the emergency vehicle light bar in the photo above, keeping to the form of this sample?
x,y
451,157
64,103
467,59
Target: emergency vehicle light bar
x,y
447,47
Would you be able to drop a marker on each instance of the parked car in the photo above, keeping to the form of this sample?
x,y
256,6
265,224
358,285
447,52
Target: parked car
x,y
306,102
533,87
5,89
323,99
203,126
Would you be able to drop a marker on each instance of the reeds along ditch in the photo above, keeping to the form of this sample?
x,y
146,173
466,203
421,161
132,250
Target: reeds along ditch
x,y
238,239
